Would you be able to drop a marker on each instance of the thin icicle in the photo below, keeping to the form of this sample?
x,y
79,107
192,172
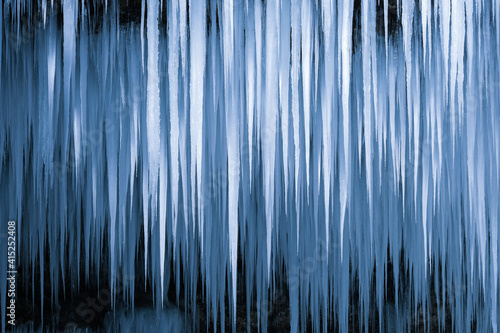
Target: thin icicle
x,y
284,81
143,13
346,82
295,101
197,13
306,38
233,154
250,84
327,111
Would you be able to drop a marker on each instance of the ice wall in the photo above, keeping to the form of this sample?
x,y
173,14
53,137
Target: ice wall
x,y
254,145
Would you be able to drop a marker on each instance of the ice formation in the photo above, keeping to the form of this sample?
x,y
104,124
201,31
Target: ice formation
x,y
312,145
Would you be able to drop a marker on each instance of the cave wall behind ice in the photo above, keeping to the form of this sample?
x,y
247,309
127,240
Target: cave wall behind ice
x,y
254,145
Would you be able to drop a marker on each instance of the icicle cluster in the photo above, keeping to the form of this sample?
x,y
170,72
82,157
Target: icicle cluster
x,y
253,145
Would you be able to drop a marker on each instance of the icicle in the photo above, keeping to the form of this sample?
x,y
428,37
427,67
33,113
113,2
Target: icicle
x,y
327,111
270,122
295,101
163,188
445,34
456,62
153,116
426,25
250,84
386,31
425,195
143,13
258,58
306,38
346,81
284,81
367,103
44,11
233,154
153,103
183,33
197,14
469,6
70,15
173,75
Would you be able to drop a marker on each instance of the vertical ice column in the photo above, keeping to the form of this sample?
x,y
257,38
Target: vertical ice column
x,y
197,14
250,82
346,53
143,12
153,120
270,120
51,73
258,61
173,80
70,9
327,108
368,47
295,102
307,38
233,153
457,62
445,12
284,82
426,29
44,11
183,112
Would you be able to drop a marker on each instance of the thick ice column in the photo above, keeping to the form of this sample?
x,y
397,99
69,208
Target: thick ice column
x,y
153,97
270,121
51,73
284,83
173,80
153,113
70,10
329,147
44,11
346,53
233,151
197,14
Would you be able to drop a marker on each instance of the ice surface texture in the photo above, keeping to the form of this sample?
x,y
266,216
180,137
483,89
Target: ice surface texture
x,y
254,145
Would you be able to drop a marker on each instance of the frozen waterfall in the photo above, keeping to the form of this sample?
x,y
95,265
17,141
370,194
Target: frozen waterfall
x,y
339,157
